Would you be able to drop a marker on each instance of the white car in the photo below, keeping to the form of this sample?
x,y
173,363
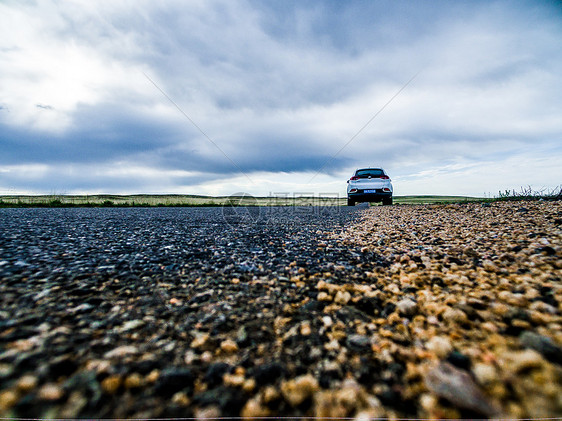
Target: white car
x,y
369,185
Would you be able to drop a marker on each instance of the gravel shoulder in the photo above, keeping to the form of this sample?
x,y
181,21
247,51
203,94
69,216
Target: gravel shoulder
x,y
403,311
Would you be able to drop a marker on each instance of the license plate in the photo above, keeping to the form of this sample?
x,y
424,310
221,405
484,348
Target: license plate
x,y
369,191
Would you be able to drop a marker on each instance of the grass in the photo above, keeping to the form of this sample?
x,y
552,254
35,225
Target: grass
x,y
176,200
527,193
53,201
427,199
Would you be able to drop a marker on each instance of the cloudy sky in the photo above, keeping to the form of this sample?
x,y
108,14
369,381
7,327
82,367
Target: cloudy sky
x,y
266,97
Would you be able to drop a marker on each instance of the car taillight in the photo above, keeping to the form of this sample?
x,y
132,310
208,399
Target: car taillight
x,y
354,178
385,177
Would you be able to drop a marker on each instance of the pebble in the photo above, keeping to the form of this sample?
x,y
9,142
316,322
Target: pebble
x,y
358,343
181,399
518,361
407,307
454,315
295,391
234,380
121,351
342,297
131,325
50,392
542,345
229,346
8,398
484,373
134,381
440,346
457,386
27,383
200,341
254,409
110,384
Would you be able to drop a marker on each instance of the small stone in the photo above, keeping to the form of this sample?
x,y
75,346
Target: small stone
x,y
333,345
358,343
457,386
8,398
342,402
407,307
270,394
327,321
111,384
175,301
207,413
229,346
543,307
295,391
181,399
234,380
490,327
207,357
440,346
153,376
200,341
27,383
134,381
249,385
50,392
306,329
130,325
489,266
255,410
323,296
543,345
428,402
6,370
454,315
99,366
342,297
522,360
484,373
189,356
122,351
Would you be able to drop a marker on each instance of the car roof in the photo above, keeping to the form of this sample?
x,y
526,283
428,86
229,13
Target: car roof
x,y
369,168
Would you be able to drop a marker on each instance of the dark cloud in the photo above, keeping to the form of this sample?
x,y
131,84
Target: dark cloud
x,y
99,133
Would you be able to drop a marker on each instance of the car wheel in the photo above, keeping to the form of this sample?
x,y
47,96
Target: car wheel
x,y
387,201
350,202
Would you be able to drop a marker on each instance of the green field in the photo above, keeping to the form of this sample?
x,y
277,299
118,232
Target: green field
x,y
193,200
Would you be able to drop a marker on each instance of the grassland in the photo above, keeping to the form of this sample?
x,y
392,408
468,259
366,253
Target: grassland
x,y
194,200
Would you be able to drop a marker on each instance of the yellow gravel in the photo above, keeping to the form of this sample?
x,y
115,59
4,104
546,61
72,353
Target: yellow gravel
x,y
483,280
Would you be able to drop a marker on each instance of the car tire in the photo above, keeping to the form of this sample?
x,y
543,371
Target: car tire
x,y
350,202
387,201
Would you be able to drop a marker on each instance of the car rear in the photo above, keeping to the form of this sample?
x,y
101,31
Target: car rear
x,y
369,185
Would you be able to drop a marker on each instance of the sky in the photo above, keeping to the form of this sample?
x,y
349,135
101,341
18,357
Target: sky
x,y
216,97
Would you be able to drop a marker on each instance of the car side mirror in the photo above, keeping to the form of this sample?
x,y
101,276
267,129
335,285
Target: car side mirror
x,y
347,181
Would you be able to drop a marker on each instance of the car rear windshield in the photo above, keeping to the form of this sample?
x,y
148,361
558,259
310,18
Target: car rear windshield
x,y
374,173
